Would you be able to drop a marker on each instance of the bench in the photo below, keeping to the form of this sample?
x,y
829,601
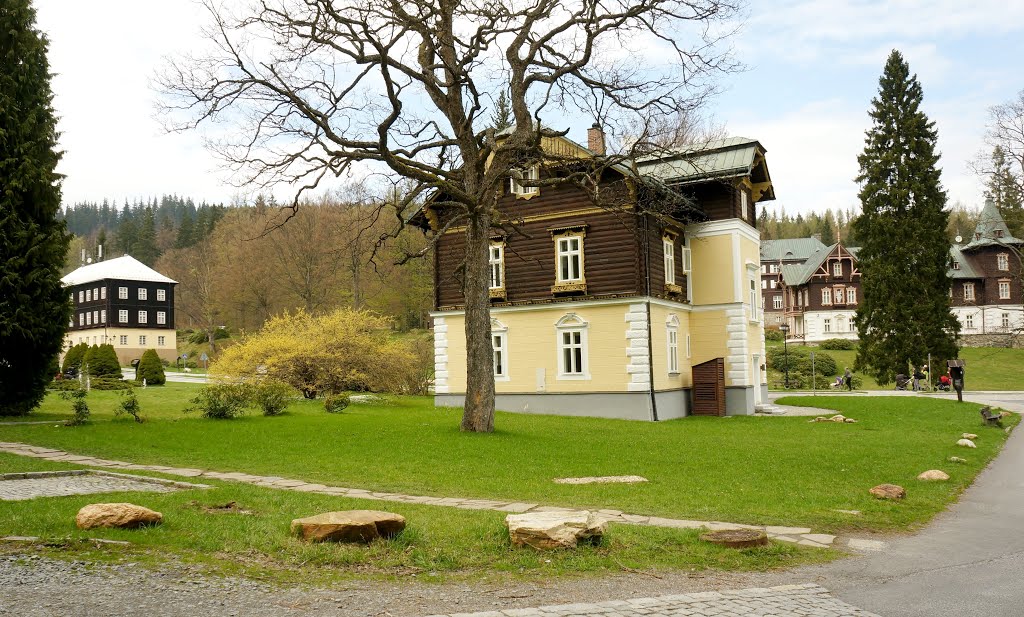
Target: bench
x,y
991,418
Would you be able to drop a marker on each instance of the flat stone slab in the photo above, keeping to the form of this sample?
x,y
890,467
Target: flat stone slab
x,y
31,485
602,480
348,526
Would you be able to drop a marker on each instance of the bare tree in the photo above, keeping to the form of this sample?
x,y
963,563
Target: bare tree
x,y
315,89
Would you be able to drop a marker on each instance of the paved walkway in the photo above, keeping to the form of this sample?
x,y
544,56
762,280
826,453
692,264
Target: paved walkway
x,y
797,535
786,601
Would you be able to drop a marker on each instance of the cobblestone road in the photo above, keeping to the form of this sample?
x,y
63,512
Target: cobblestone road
x,y
807,600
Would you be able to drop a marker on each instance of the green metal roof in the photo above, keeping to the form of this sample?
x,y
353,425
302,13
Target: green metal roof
x,y
991,229
733,156
966,270
787,249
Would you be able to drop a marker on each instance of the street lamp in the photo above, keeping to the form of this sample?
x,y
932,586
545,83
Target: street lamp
x,y
785,346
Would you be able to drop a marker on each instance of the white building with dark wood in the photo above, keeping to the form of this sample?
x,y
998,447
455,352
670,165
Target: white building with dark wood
x,y
125,303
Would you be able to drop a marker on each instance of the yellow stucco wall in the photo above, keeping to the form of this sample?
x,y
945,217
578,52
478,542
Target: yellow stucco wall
x,y
132,350
663,380
712,276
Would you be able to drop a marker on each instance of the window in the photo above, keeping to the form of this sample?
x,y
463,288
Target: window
x,y
777,302
956,265
103,293
570,259
88,318
124,339
673,349
837,294
1004,290
827,324
143,317
764,269
851,295
826,296
498,345
160,341
96,317
1006,321
496,261
969,322
684,258
161,295
103,316
837,268
81,319
775,268
744,203
122,317
122,293
519,176
142,339
687,345
669,249
1003,261
143,293
774,282
998,233
81,297
572,347
969,292
764,284
96,293
161,317
753,299
88,295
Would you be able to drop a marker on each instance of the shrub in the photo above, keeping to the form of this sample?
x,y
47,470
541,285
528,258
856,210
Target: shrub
x,y
418,374
78,406
102,361
129,405
151,369
221,401
825,367
271,396
838,344
342,351
773,334
109,383
202,336
73,358
336,403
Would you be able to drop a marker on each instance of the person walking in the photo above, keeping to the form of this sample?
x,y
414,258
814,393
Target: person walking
x,y
848,379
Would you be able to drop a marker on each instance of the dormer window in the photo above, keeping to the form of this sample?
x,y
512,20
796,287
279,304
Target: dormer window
x,y
837,269
519,177
956,265
1003,261
999,233
977,236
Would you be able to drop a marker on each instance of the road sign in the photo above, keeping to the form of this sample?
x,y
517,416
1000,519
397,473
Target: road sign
x,y
204,357
185,356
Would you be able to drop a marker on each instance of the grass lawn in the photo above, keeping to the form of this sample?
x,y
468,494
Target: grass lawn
x,y
988,368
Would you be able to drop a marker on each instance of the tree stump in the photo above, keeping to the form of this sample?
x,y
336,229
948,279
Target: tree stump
x,y
736,538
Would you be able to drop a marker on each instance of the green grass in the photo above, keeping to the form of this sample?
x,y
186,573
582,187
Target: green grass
x,y
438,544
741,469
988,368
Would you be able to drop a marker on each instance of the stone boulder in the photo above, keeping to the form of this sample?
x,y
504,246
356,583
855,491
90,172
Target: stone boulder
x,y
933,474
348,526
546,530
888,491
957,459
736,538
967,443
970,436
122,515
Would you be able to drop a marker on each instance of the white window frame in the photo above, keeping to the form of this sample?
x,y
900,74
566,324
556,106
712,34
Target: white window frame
x,y
95,293
161,318
968,292
496,265
161,341
1004,290
837,269
969,322
668,249
1005,320
1003,261
764,283
161,295
88,295
744,204
122,316
88,318
774,268
143,317
81,296
754,296
777,302
672,344
826,296
81,319
774,284
530,173
568,253
124,339
142,339
826,324
103,293
956,265
685,259
122,293
851,295
571,324
499,347
688,350
143,293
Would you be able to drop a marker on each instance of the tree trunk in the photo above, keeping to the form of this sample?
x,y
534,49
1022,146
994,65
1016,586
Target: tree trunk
x,y
478,413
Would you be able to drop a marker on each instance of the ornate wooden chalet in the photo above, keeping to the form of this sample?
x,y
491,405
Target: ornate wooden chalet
x,y
605,308
125,303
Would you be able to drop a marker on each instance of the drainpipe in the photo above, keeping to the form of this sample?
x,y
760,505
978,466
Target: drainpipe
x,y
647,304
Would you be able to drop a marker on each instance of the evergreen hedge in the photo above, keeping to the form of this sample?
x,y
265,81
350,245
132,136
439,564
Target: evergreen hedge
x,y
151,369
102,361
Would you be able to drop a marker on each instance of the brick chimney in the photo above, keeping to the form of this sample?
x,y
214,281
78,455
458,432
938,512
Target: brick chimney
x,y
595,139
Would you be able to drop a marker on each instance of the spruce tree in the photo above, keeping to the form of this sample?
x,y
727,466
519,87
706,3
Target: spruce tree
x,y
904,257
34,306
502,116
1004,188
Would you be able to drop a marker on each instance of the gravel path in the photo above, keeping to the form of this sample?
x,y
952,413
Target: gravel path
x,y
34,586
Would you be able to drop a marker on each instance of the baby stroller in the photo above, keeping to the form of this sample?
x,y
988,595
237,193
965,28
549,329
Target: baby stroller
x,y
902,382
944,383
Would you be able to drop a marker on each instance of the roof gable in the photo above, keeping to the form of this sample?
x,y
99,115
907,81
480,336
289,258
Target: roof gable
x,y
733,157
125,268
991,229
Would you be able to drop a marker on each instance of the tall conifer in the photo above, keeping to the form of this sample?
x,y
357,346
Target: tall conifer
x,y
34,307
904,257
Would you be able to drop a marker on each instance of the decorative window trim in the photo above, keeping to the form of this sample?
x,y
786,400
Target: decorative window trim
x,y
558,234
520,191
826,296
1004,285
499,329
968,292
569,323
851,295
1003,262
777,302
672,344
826,324
837,269
497,292
668,251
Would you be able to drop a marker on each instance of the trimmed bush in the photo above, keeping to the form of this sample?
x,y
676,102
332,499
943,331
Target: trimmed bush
x,y
73,358
102,361
336,403
825,366
151,369
221,401
109,383
773,334
272,397
838,344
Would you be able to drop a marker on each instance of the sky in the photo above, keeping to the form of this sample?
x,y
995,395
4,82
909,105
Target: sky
x,y
811,68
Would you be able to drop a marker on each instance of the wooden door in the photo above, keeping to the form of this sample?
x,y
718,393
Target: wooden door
x,y
709,388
